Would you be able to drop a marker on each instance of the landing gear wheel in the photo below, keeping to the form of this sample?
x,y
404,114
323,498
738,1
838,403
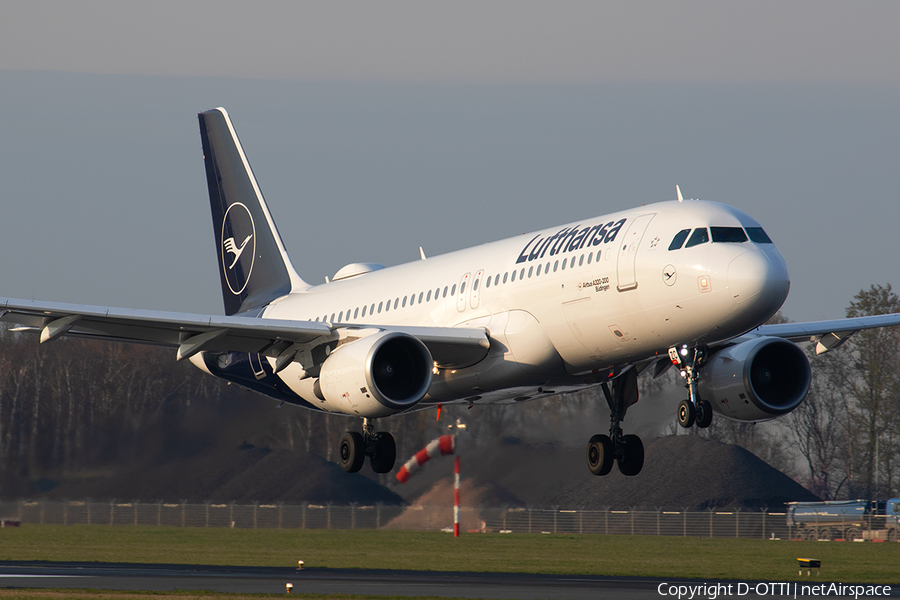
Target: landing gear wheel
x,y
686,413
600,454
382,461
632,460
704,414
352,452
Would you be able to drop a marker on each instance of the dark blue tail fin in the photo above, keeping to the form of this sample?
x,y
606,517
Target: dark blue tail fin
x,y
253,265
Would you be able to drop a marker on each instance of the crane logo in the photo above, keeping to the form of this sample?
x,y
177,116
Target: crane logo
x,y
238,247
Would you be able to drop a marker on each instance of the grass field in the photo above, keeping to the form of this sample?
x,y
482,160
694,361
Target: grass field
x,y
532,553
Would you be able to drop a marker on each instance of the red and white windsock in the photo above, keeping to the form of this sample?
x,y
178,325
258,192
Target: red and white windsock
x,y
442,446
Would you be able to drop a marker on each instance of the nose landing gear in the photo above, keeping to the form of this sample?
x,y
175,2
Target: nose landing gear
x,y
378,446
626,450
691,410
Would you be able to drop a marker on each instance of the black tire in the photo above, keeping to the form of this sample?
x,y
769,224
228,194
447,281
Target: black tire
x,y
600,454
852,533
385,453
824,533
704,414
632,460
352,452
892,535
686,414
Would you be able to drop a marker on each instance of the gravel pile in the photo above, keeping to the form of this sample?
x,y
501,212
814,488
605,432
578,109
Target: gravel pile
x,y
687,472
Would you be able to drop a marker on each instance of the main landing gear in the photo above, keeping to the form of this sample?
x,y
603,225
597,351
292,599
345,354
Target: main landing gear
x,y
379,447
626,450
692,409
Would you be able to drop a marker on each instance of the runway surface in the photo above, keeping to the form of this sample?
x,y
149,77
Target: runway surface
x,y
336,581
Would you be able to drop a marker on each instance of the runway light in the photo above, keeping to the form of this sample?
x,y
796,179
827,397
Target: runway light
x,y
288,588
299,564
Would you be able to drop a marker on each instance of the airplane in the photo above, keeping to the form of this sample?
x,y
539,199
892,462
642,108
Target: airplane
x,y
681,283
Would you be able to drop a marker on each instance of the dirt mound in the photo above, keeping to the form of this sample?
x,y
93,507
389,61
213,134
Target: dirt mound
x,y
687,472
434,509
243,474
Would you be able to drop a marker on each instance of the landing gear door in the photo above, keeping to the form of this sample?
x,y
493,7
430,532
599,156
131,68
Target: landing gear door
x,y
628,252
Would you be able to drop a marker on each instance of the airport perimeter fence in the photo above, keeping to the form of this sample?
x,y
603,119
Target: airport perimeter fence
x,y
709,523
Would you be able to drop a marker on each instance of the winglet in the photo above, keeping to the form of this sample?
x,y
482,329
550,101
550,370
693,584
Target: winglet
x,y
678,193
421,253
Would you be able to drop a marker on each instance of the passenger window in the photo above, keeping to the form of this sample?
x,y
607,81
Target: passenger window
x,y
572,263
759,236
453,290
380,304
462,288
564,262
581,260
445,291
522,273
678,240
317,319
487,283
530,271
428,297
505,275
397,301
729,235
364,311
341,317
475,285
598,255
590,256
546,268
555,265
421,295
539,269
404,303
496,279
356,312
513,278
700,236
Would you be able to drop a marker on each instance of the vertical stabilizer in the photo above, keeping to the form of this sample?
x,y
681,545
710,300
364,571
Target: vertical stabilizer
x,y
254,267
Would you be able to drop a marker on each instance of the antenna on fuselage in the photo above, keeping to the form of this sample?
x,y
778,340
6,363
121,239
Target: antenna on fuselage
x,y
678,193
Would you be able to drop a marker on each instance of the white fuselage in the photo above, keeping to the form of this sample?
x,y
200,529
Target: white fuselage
x,y
564,304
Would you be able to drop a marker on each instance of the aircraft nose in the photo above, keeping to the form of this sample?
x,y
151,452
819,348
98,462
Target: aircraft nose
x,y
756,276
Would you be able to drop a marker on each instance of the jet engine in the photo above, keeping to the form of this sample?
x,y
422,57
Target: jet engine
x,y
756,380
376,376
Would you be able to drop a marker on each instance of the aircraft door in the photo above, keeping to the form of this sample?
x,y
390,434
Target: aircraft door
x,y
476,289
462,291
628,252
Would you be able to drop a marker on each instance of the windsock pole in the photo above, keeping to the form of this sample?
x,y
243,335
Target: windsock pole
x,y
456,497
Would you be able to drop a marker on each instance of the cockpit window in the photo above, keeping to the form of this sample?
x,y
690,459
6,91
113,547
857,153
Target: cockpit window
x,y
733,235
758,235
678,240
700,236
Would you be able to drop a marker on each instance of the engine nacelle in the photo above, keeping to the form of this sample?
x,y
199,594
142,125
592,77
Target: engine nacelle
x,y
756,380
376,376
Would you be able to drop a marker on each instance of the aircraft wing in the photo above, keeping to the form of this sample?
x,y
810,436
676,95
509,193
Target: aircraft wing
x,y
192,333
827,334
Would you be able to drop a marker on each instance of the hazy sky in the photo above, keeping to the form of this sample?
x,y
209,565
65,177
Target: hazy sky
x,y
375,128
